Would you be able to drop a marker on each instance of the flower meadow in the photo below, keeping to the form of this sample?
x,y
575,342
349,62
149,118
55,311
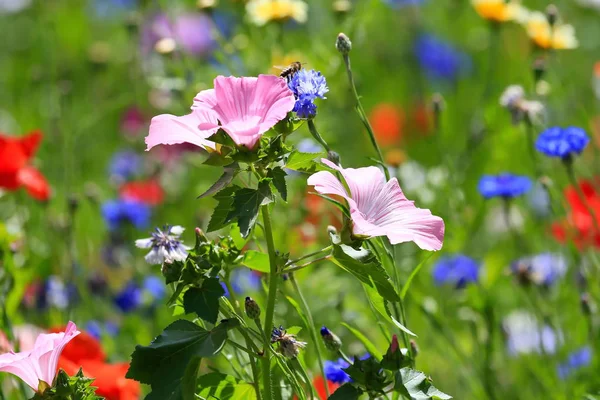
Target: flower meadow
x,y
299,199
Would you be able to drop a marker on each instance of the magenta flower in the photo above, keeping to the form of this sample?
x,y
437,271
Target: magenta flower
x,y
244,108
379,208
40,363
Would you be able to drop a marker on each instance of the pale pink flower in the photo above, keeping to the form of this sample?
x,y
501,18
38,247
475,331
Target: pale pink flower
x,y
379,208
244,108
41,362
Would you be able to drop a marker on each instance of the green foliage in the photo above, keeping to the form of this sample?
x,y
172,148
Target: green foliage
x,y
278,178
256,260
225,201
415,385
216,385
229,173
163,363
368,373
77,387
245,206
304,162
204,300
346,392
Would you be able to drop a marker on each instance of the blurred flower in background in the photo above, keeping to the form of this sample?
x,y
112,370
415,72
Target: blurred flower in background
x,y
500,10
562,142
54,292
148,192
244,280
513,99
334,372
118,212
124,165
439,59
457,270
397,4
505,185
387,121
129,298
576,360
525,335
262,11
13,6
542,269
112,8
133,122
559,36
579,224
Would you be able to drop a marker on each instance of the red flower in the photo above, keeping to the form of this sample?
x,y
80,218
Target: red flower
x,y
388,122
421,118
85,352
319,386
579,225
148,192
15,171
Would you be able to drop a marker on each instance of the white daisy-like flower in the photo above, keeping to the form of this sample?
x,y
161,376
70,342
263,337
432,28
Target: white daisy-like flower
x,y
165,245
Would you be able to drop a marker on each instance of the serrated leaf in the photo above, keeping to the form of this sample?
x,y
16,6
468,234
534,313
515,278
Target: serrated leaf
x,y
414,384
371,348
216,385
204,301
365,266
218,220
304,162
278,177
229,172
163,363
346,392
368,373
246,205
257,261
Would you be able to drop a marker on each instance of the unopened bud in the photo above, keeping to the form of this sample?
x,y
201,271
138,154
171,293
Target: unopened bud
x,y
252,308
200,235
331,340
539,68
414,349
552,14
343,44
333,157
437,103
332,230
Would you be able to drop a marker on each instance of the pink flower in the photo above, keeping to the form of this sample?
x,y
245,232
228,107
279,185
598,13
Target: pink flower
x,y
379,208
244,108
40,363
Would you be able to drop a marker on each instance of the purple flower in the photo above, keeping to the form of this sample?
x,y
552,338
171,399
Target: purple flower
x,y
165,245
192,32
525,335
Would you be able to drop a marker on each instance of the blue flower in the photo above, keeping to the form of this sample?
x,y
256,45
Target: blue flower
x,y
155,287
334,372
562,142
226,294
505,185
129,298
307,85
244,280
457,270
94,328
542,269
438,59
525,335
111,328
165,245
576,360
124,165
55,293
116,212
539,200
397,4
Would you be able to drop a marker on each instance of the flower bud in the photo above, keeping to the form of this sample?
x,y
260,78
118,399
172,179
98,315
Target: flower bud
x,y
332,230
252,308
332,342
552,14
539,68
343,44
414,349
333,157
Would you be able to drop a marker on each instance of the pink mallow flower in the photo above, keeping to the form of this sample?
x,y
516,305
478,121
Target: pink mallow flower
x,y
244,108
379,208
40,363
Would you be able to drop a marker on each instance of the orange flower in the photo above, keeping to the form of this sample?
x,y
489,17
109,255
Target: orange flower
x,y
559,37
499,10
388,122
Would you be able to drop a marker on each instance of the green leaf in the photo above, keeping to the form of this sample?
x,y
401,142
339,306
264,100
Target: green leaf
x,y
346,392
304,162
415,384
365,266
204,301
222,137
293,330
257,261
216,385
219,216
371,348
229,172
368,373
278,176
163,363
188,382
412,276
246,205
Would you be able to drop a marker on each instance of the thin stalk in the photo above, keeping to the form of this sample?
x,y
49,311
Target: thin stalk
x,y
345,357
299,267
531,147
272,295
308,255
363,115
311,327
244,349
571,173
315,134
488,374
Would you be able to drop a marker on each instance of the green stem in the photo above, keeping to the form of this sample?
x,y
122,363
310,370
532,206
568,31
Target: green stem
x,y
363,115
315,134
299,267
272,295
311,327
308,256
345,357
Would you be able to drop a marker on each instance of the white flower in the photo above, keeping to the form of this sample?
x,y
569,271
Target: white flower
x,y
165,245
512,95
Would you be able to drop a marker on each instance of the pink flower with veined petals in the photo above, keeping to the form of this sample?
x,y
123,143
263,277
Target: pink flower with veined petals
x,y
244,108
379,208
39,363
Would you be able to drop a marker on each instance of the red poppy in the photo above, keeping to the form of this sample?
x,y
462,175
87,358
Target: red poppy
x,y
319,385
148,192
388,123
85,352
15,171
579,225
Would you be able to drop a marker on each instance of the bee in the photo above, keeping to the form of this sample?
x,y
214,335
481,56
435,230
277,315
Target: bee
x,y
289,71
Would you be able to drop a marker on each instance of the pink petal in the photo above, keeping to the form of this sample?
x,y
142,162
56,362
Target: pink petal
x,y
193,128
205,99
48,360
327,183
19,364
273,100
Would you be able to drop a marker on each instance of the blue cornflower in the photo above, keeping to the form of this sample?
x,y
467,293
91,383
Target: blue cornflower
x,y
111,328
94,328
505,185
244,280
458,270
129,298
542,269
403,3
525,335
576,360
562,142
224,286
116,212
124,165
335,373
439,59
155,287
55,293
307,85
165,245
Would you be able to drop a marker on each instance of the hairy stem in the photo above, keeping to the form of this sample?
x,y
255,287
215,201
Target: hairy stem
x,y
315,134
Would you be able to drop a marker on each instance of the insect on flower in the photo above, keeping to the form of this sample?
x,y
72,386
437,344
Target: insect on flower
x,y
289,71
288,345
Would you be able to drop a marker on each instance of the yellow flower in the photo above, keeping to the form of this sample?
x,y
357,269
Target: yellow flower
x,y
560,36
263,11
500,10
